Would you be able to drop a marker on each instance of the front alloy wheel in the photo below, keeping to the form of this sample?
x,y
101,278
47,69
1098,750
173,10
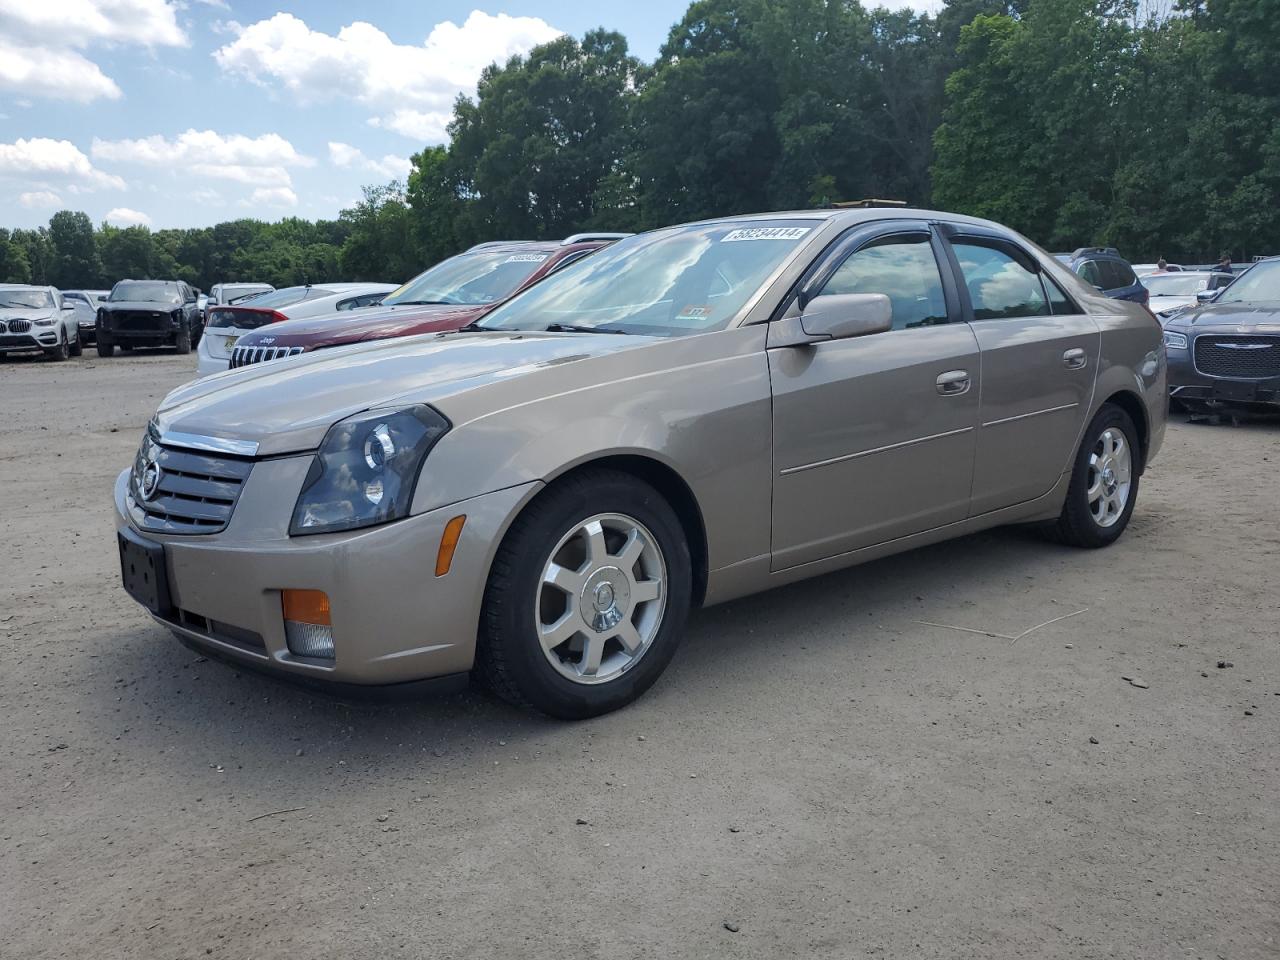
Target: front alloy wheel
x,y
602,598
586,597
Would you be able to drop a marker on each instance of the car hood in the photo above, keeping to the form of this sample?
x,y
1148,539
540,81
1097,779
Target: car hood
x,y
149,305
1231,318
369,323
25,313
287,406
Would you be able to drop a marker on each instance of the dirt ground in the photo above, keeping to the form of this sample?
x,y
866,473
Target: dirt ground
x,y
818,775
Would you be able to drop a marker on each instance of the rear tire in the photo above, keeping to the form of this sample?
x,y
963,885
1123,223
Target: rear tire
x,y
623,591
182,340
1104,483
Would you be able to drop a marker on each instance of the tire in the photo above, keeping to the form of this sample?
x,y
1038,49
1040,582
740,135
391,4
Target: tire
x,y
182,340
60,352
1079,524
510,658
105,347
77,347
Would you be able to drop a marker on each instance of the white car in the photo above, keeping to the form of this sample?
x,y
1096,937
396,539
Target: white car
x,y
224,324
225,294
37,320
1171,292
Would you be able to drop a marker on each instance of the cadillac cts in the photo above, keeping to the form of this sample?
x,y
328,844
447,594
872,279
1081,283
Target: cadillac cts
x,y
691,415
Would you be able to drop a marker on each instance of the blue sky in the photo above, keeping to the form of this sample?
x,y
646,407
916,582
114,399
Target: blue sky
x,y
179,113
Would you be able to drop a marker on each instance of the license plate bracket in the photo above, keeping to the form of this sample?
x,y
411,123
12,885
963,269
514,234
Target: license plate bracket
x,y
144,573
1240,390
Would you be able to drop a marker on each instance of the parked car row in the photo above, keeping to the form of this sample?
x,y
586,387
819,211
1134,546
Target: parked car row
x,y
678,418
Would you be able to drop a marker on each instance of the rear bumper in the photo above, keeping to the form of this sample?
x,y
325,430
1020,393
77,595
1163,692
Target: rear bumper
x,y
394,621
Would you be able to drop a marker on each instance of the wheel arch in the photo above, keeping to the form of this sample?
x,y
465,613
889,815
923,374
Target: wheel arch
x,y
674,489
1131,403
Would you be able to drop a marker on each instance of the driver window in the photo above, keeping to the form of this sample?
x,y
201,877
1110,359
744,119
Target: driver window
x,y
902,268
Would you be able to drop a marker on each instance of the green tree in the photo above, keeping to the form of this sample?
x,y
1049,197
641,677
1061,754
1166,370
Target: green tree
x,y
14,266
380,244
74,250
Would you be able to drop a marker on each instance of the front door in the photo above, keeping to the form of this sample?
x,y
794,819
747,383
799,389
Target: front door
x,y
874,436
1039,362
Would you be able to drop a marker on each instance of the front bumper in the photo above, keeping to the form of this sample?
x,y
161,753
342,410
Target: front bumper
x,y
394,621
1189,386
88,333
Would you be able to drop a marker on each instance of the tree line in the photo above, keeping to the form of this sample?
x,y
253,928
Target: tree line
x,y
1152,126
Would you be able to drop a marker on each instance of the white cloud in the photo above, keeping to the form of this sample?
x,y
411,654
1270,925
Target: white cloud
x,y
46,162
346,156
429,126
55,74
124,217
37,199
206,196
79,23
362,63
272,197
39,40
259,161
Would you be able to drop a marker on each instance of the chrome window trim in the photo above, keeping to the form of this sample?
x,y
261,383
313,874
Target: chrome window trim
x,y
194,441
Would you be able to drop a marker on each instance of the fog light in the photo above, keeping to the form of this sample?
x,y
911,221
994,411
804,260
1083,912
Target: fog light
x,y
308,629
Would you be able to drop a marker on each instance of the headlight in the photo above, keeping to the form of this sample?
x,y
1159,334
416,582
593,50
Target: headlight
x,y
365,470
1175,341
46,322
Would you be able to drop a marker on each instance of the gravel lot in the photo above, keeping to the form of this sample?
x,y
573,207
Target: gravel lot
x,y
818,775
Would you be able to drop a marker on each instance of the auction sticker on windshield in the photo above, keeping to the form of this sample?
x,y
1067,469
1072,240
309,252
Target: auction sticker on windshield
x,y
526,258
764,233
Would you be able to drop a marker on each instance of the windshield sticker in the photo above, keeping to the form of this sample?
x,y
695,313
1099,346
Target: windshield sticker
x,y
765,233
694,312
526,258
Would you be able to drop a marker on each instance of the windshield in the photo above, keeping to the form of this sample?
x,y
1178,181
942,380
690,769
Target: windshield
x,y
25,298
1261,282
471,279
283,298
1175,284
144,291
667,283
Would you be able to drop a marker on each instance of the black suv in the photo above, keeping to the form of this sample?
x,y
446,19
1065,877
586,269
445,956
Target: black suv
x,y
1104,268
149,313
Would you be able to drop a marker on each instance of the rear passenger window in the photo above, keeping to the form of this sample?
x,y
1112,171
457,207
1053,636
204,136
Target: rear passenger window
x,y
999,287
1124,275
1089,273
902,268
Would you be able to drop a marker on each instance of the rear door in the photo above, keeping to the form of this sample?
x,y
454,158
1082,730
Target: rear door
x,y
874,435
1039,360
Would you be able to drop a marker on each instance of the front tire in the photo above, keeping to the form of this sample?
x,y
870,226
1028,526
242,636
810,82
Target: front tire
x,y
1104,482
182,340
77,346
60,352
587,597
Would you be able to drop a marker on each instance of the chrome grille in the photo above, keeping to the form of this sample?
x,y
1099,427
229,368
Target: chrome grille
x,y
1243,358
196,492
16,326
243,356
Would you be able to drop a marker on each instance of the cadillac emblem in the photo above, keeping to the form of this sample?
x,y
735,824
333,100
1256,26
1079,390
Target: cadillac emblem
x,y
149,482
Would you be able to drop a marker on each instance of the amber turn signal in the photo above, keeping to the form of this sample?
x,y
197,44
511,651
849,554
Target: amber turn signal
x,y
306,606
448,544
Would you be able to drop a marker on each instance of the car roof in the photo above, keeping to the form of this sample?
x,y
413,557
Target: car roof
x,y
25,286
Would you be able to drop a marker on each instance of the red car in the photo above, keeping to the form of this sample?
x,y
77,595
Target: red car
x,y
452,294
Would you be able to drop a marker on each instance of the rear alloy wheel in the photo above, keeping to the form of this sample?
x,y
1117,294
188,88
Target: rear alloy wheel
x,y
1104,482
587,597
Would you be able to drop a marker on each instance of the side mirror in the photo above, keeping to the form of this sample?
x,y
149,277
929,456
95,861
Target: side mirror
x,y
1204,296
837,316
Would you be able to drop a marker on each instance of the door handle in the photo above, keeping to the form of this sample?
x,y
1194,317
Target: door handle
x,y
953,383
1074,359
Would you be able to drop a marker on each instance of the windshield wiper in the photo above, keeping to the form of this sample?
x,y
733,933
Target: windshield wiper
x,y
424,303
571,328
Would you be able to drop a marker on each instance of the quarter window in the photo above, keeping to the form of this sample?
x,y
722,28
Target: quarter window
x,y
999,287
902,268
1089,273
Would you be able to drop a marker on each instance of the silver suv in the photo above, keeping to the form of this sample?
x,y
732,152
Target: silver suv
x,y
682,418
